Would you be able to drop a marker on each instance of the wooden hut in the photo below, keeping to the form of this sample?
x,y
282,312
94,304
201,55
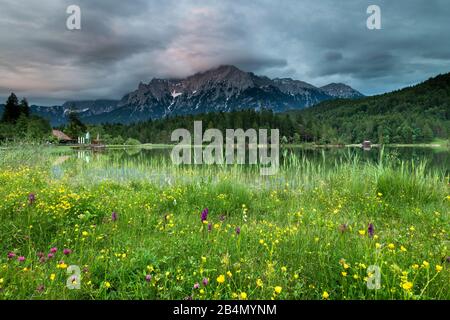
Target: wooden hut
x,y
62,137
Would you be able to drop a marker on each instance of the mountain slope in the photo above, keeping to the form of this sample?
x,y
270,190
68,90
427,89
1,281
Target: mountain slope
x,y
408,115
223,89
342,91
86,109
417,114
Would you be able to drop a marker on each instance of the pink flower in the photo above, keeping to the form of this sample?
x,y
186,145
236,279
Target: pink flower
x,y
196,286
50,255
67,252
148,277
11,255
21,259
53,250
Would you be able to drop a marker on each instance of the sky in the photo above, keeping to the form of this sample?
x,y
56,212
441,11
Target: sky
x,y
122,43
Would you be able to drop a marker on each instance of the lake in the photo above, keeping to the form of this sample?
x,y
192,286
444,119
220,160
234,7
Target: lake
x,y
139,164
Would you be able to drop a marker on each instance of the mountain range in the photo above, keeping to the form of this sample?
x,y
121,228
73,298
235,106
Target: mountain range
x,y
225,89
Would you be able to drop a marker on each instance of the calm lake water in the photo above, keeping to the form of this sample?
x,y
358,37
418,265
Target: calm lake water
x,y
135,163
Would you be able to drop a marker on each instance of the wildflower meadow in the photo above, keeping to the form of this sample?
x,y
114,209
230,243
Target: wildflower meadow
x,y
353,230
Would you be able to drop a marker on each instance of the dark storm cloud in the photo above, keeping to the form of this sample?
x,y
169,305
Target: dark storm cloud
x,y
124,42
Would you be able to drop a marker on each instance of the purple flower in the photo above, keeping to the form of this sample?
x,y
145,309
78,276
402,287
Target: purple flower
x,y
67,252
148,277
31,198
21,259
114,216
11,255
196,285
238,230
371,230
204,214
209,227
205,281
50,255
53,250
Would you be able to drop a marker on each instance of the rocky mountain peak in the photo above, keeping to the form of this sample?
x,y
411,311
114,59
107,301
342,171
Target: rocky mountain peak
x,y
341,90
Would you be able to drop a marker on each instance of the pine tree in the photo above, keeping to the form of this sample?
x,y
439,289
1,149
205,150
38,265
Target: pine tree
x,y
24,108
75,127
12,110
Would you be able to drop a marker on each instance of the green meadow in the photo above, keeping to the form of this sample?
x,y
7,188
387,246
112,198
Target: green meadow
x,y
128,224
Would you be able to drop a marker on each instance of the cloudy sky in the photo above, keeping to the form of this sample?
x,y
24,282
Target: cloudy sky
x,y
124,42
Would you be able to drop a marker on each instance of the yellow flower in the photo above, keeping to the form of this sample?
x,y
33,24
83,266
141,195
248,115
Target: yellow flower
x,y
391,246
107,285
407,285
221,279
346,266
1,280
243,296
355,276
402,248
52,276
379,194
362,232
412,228
259,283
61,266
415,266
229,274
261,241
283,269
377,245
278,289
202,291
426,264
325,295
85,233
438,268
344,274
203,259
